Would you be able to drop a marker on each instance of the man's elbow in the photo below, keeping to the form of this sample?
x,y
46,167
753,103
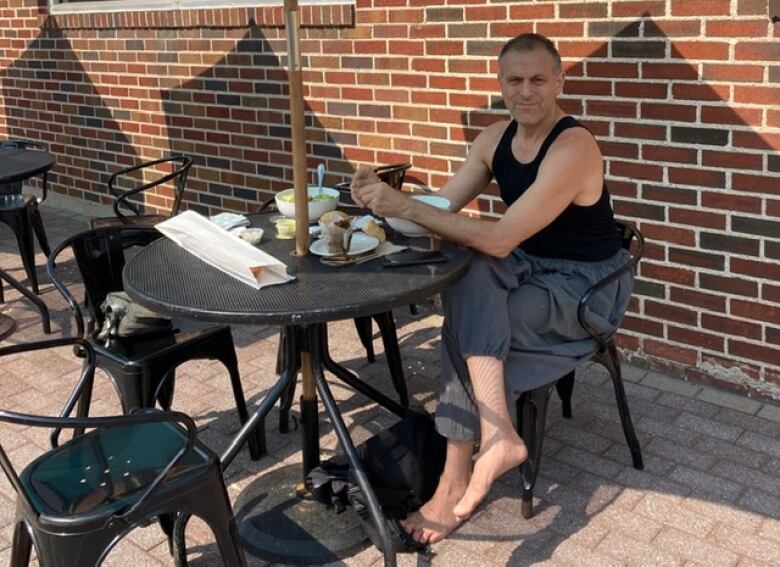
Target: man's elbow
x,y
495,243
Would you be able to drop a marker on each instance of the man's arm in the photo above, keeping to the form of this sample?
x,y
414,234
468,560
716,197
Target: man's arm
x,y
474,175
571,169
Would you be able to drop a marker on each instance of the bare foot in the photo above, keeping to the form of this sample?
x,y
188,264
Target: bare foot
x,y
435,520
500,454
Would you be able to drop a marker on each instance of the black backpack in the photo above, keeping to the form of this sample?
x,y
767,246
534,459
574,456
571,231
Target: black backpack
x,y
403,464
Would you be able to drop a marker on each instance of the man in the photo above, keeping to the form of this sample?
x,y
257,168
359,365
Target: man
x,y
510,323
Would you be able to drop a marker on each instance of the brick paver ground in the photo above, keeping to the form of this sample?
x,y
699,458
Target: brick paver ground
x,y
709,494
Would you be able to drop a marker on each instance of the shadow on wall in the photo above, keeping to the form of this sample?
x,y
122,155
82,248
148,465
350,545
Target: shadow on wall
x,y
49,96
654,110
233,119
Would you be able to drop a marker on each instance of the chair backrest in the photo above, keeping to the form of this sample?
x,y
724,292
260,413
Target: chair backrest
x,y
180,166
100,257
630,235
633,241
16,187
393,174
68,465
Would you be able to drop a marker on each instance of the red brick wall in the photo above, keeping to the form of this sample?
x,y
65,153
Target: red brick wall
x,y
683,95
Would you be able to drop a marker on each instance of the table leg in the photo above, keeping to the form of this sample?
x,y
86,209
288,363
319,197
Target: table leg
x,y
276,521
316,350
351,380
288,374
7,325
309,416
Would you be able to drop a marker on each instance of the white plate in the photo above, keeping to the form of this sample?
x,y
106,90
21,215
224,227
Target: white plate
x,y
361,243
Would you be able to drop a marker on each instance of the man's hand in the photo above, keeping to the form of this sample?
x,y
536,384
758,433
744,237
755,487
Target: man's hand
x,y
363,176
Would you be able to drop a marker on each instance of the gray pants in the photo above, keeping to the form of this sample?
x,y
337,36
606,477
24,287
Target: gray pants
x,y
522,310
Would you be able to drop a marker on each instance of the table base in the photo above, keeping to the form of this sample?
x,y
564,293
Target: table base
x,y
277,525
7,326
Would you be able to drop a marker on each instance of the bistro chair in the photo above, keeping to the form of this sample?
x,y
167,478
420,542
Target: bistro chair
x,y
75,502
20,212
531,406
142,369
127,209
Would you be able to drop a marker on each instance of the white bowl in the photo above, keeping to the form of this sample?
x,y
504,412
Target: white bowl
x,y
409,228
316,208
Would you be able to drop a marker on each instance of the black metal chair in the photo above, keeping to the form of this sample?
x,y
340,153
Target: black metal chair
x,y
20,212
76,501
125,199
532,405
142,368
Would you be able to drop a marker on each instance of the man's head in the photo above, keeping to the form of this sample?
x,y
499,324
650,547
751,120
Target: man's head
x,y
531,77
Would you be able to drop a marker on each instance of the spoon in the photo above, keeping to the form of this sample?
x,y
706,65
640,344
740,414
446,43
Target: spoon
x,y
320,177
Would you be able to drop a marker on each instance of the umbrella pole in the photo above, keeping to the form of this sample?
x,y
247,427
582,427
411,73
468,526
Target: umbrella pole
x,y
297,128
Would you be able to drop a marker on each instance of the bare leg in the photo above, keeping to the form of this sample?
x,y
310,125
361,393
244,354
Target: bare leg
x,y
501,448
435,520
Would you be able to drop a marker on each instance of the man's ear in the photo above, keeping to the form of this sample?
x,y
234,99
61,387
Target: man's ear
x,y
561,80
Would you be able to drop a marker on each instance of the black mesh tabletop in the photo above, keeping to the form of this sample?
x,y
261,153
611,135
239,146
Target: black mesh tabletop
x,y
18,165
168,279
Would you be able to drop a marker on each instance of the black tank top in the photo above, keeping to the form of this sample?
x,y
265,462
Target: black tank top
x,y
585,233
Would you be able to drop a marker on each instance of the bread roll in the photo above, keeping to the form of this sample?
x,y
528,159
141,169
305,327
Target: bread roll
x,y
373,229
333,216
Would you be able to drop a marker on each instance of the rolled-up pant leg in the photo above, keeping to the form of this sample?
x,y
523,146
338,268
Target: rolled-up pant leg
x,y
476,323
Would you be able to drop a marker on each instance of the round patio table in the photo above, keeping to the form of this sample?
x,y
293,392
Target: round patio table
x,y
18,165
166,278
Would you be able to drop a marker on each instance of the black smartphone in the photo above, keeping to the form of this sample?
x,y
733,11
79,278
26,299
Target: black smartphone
x,y
413,258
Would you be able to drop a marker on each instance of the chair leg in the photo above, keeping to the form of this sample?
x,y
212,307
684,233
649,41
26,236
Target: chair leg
x,y
363,326
2,292
531,419
24,238
611,361
227,356
214,508
285,405
393,354
40,232
165,389
565,387
167,523
21,546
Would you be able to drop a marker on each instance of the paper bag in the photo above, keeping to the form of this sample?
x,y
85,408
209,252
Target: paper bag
x,y
223,250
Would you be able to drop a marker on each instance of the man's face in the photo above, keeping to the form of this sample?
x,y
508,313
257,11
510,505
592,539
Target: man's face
x,y
530,84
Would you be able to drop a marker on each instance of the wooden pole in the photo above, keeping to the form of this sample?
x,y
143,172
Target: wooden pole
x,y
297,128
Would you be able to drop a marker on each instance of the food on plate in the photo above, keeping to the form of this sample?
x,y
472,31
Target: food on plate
x,y
333,216
290,197
373,229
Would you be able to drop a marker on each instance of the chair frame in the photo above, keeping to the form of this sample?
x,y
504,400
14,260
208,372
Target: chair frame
x,y
532,405
26,219
86,539
141,381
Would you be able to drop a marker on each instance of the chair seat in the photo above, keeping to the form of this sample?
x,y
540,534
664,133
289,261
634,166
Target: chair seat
x,y
101,472
14,202
146,348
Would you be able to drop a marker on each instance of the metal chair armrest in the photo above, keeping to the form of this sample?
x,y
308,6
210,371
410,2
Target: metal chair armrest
x,y
591,291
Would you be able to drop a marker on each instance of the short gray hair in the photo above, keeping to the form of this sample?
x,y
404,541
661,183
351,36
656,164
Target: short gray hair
x,y
531,42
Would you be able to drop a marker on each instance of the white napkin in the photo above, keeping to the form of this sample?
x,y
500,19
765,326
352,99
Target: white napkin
x,y
223,250
229,221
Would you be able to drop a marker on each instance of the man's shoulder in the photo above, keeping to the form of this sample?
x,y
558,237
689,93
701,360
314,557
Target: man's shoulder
x,y
489,137
575,139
